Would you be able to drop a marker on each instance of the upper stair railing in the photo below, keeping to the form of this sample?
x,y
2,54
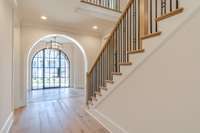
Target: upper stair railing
x,y
107,4
138,21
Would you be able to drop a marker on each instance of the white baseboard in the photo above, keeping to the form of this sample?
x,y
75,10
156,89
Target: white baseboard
x,y
7,125
107,123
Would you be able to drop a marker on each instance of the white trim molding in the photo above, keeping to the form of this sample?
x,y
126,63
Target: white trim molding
x,y
106,122
8,123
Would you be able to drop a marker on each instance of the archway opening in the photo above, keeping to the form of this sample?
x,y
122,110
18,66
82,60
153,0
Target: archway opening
x,y
51,68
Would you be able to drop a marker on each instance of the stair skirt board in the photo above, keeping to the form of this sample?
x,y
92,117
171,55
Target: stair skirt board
x,y
151,50
106,122
8,124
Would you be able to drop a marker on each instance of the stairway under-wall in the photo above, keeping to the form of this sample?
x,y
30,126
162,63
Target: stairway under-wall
x,y
156,91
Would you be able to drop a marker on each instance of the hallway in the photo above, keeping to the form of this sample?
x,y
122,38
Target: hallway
x,y
48,115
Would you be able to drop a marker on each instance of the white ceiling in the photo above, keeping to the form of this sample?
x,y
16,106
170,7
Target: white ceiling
x,y
61,13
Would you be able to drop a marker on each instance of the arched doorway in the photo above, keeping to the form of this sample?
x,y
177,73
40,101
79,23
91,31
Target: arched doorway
x,y
50,68
45,86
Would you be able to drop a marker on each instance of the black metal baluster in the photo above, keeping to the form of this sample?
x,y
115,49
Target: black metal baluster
x,y
127,35
120,32
119,5
163,7
156,14
177,4
95,80
104,65
138,39
134,27
117,49
124,39
113,53
97,73
92,83
151,17
111,61
130,24
101,72
106,62
170,5
108,57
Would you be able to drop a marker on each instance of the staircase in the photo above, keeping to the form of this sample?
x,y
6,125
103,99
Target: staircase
x,y
139,21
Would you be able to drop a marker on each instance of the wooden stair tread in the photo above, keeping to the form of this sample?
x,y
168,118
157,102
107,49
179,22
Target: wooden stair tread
x,y
151,35
116,73
90,102
125,63
172,13
109,81
103,88
98,93
136,51
94,98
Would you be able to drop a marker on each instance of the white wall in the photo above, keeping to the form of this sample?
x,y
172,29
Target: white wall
x,y
5,61
17,66
162,94
16,59
78,69
31,34
69,51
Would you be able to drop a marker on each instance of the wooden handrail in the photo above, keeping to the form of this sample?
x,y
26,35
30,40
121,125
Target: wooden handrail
x,y
116,25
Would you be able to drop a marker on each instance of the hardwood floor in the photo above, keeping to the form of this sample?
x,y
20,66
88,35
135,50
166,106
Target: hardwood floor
x,y
53,94
64,115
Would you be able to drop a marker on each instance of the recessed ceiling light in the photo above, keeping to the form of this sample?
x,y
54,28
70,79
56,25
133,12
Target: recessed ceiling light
x,y
95,27
43,17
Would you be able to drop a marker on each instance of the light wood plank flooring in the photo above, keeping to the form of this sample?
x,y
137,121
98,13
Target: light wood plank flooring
x,y
62,115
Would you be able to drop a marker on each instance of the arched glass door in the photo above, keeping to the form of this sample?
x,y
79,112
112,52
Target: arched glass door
x,y
50,69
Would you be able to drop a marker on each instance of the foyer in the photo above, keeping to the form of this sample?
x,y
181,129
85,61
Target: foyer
x,y
99,66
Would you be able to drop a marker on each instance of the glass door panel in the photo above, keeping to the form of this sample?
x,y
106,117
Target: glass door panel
x,y
50,69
